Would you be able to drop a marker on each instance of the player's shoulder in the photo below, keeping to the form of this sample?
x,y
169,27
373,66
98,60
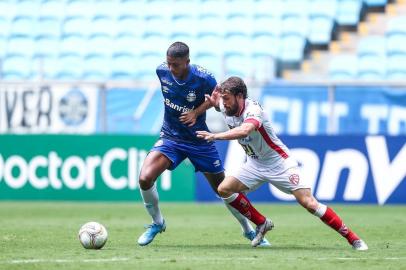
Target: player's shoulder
x,y
252,107
162,68
201,72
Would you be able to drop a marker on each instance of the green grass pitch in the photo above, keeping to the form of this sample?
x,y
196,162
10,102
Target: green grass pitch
x,y
43,235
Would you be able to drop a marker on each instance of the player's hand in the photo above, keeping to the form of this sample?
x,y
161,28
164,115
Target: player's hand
x,y
214,98
188,118
202,134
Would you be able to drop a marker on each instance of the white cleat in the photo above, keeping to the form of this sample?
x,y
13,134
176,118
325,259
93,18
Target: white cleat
x,y
359,245
261,230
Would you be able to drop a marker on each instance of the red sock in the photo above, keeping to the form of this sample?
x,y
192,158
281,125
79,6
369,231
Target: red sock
x,y
335,222
243,205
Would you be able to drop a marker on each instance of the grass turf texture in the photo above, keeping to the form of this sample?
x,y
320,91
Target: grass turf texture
x,y
37,235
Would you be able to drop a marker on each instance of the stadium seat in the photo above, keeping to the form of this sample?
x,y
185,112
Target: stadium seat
x,y
321,29
154,44
126,44
376,3
130,25
27,8
106,8
7,10
79,8
396,26
297,25
295,8
123,67
46,46
22,26
3,46
73,44
46,67
268,8
265,45
263,68
348,12
292,48
371,67
156,25
183,25
147,64
20,45
267,25
238,24
396,67
343,67
237,43
77,25
100,44
70,67
209,43
209,25
16,68
52,8
96,67
214,8
395,44
325,8
182,8
212,62
372,45
4,27
102,25
238,64
48,27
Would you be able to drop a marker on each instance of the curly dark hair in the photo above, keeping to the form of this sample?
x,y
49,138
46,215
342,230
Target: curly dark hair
x,y
234,85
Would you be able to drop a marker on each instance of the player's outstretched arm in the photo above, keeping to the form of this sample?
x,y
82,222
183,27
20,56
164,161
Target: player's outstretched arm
x,y
236,133
189,118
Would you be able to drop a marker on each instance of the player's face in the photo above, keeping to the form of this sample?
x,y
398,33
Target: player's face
x,y
230,103
178,66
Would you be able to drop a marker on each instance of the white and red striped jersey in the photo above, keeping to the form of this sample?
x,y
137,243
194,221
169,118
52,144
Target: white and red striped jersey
x,y
262,145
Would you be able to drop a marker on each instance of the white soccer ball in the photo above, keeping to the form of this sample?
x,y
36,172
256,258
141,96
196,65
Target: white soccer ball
x,y
93,235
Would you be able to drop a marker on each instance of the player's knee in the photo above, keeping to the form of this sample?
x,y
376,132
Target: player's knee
x,y
224,191
146,181
309,202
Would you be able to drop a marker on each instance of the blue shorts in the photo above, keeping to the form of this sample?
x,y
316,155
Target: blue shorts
x,y
204,158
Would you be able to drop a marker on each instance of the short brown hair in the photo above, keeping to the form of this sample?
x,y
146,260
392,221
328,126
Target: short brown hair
x,y
234,85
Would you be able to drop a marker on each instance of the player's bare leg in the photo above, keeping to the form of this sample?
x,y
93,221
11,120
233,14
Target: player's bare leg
x,y
305,198
154,165
230,191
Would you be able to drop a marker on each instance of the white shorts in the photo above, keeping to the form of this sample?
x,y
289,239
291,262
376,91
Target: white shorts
x,y
285,176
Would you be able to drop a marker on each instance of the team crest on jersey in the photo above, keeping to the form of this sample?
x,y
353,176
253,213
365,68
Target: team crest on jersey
x,y
191,96
294,179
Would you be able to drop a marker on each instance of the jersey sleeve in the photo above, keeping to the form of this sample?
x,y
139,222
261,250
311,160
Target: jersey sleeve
x,y
254,115
211,83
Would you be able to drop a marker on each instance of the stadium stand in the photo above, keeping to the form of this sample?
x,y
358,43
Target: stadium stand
x,y
228,36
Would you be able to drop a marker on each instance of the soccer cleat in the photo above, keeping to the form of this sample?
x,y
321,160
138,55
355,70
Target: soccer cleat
x,y
261,230
251,235
359,245
149,235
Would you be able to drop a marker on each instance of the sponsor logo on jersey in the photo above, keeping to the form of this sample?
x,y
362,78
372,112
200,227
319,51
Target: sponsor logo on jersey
x,y
191,96
163,80
177,107
165,89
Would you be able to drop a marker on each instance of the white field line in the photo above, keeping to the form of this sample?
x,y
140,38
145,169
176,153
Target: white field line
x,y
360,259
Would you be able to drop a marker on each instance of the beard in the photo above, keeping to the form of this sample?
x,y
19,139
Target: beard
x,y
232,111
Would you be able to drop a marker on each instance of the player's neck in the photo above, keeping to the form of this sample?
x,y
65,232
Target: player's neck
x,y
184,76
241,106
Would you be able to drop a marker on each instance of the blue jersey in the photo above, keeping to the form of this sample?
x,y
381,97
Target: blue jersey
x,y
184,96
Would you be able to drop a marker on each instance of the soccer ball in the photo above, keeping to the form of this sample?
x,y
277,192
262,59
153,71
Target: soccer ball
x,y
93,235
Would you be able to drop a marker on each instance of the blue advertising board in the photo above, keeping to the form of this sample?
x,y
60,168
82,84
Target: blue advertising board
x,y
305,110
339,169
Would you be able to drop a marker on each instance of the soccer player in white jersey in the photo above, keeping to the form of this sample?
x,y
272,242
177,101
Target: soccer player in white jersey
x,y
268,160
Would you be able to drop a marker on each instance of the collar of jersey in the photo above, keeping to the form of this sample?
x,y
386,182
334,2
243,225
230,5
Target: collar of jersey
x,y
183,82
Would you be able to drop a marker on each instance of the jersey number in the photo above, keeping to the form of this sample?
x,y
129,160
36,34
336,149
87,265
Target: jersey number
x,y
248,150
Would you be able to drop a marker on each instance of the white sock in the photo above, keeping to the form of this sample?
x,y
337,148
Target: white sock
x,y
245,224
151,199
321,210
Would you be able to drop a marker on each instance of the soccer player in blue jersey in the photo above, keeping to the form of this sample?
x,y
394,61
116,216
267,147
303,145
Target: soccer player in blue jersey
x,y
184,87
